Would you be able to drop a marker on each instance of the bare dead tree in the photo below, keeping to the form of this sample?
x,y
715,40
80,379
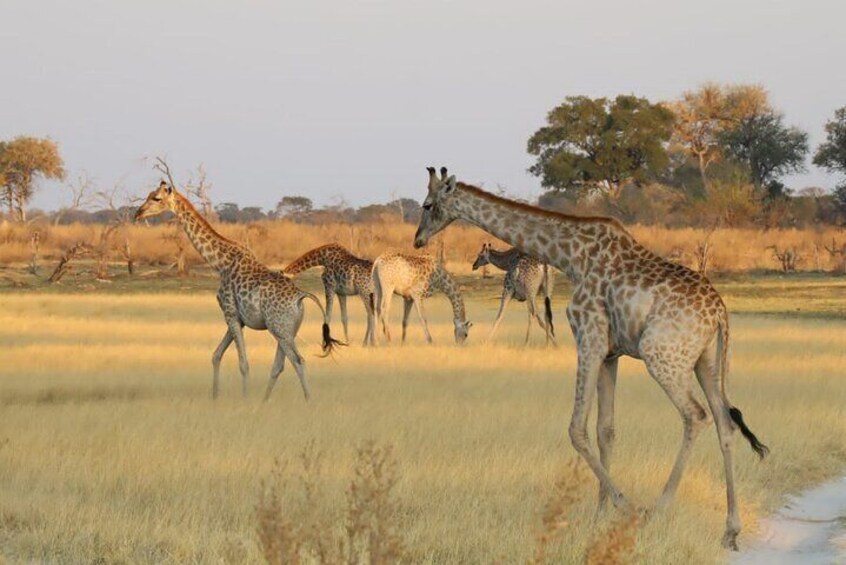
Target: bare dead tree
x,y
198,189
836,250
704,251
76,250
177,237
788,258
82,196
34,245
121,205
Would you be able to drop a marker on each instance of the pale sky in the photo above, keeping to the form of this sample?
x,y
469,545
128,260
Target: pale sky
x,y
351,99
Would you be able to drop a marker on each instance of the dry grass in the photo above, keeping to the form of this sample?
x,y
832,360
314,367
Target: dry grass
x,y
733,250
111,449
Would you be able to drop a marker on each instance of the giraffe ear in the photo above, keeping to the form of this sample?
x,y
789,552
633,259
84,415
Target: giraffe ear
x,y
450,184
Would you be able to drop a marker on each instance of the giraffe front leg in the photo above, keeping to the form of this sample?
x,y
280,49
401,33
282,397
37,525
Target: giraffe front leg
x,y
418,304
370,334
506,297
605,389
342,302
216,358
406,310
237,331
592,352
530,306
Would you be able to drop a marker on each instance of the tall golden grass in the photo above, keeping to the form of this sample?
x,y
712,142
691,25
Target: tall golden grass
x,y
111,449
278,242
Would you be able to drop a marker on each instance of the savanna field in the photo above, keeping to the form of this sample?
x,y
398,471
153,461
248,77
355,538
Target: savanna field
x,y
112,451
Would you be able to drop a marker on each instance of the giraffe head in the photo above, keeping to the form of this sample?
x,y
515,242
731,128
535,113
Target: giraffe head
x,y
462,329
484,257
161,200
438,208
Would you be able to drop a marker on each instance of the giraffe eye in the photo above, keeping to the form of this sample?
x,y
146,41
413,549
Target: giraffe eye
x,y
157,199
427,206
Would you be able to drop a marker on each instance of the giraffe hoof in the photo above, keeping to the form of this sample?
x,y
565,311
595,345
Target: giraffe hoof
x,y
730,540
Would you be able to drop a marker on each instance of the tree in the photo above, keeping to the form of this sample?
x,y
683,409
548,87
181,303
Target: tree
x,y
767,147
227,212
22,161
702,116
294,207
591,144
831,154
198,191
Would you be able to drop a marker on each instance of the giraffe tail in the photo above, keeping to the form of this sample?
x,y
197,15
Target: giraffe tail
x,y
547,300
734,413
329,343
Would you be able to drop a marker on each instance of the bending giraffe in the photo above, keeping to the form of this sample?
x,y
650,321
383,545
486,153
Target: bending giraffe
x,y
344,275
626,301
250,294
525,278
415,278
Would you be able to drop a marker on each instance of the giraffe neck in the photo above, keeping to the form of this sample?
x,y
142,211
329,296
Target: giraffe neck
x,y
556,239
503,259
217,251
310,259
441,280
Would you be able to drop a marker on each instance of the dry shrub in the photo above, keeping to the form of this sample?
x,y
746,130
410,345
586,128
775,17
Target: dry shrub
x,y
278,242
566,491
292,532
616,544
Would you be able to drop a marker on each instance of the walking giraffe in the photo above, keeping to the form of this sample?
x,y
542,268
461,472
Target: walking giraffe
x,y
250,294
415,278
525,278
344,274
626,301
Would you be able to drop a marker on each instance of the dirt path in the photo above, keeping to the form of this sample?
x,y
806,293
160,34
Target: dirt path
x,y
809,530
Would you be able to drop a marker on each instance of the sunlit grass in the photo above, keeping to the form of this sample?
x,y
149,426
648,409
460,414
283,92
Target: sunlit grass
x,y
111,448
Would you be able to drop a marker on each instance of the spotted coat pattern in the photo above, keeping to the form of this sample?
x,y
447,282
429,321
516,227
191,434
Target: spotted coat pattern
x,y
414,278
344,275
626,301
525,278
250,294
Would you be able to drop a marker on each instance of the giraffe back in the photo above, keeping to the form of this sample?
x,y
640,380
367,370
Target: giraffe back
x,y
406,275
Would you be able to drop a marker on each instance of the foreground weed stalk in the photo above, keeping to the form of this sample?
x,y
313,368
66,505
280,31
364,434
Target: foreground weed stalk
x,y
291,533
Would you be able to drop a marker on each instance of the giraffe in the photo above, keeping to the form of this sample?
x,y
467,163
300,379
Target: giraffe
x,y
415,278
344,274
525,278
250,294
626,301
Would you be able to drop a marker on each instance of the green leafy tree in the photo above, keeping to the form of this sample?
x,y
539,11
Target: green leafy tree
x,y
768,148
294,207
831,154
702,116
22,162
591,144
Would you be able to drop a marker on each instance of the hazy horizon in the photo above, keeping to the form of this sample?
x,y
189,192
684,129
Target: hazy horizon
x,y
354,100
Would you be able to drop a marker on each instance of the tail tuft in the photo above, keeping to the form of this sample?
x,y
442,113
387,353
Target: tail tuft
x,y
547,303
329,343
758,447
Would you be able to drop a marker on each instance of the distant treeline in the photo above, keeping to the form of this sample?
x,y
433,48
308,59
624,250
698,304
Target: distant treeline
x,y
717,155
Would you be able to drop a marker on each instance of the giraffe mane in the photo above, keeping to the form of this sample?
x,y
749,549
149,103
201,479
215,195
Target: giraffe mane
x,y
534,210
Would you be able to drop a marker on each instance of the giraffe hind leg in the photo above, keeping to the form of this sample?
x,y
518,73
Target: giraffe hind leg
x,y
605,434
276,370
708,376
676,381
